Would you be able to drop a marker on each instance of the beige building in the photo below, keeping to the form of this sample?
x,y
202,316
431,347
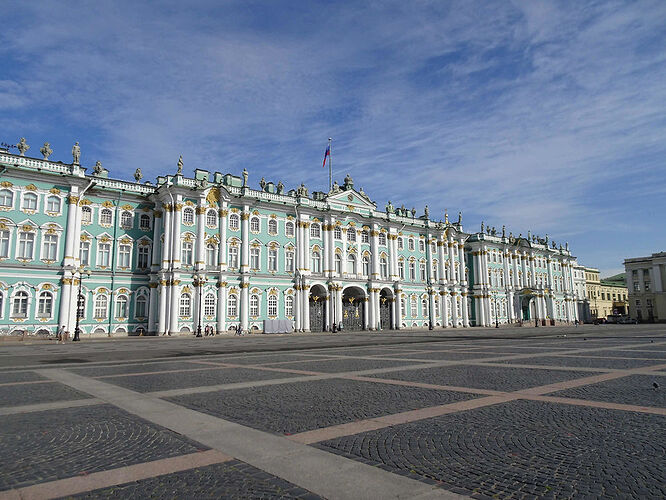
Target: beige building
x,y
645,279
605,296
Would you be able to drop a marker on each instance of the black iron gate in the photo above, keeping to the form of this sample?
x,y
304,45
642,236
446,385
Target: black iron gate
x,y
352,315
317,314
385,313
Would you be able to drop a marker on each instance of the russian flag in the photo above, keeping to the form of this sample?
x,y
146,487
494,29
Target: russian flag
x,y
326,155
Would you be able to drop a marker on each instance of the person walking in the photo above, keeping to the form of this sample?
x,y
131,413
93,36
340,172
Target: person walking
x,y
61,334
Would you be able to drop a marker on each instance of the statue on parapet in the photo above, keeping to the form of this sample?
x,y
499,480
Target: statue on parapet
x,y
76,154
138,175
302,191
446,216
389,208
482,227
362,193
180,165
335,189
427,212
459,218
348,182
280,187
262,184
98,169
245,177
46,150
22,146
503,231
413,212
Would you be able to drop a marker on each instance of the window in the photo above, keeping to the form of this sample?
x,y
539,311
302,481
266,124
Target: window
x,y
424,307
422,271
144,222
53,204
351,234
106,216
351,264
315,231
289,229
29,201
401,269
140,309
126,220
86,215
124,258
289,305
211,218
81,307
255,224
6,198
401,244
365,237
272,305
103,254
209,305
382,239
366,266
188,216
4,243
232,306
234,222
121,306
233,257
254,305
49,247
337,233
647,286
143,257
26,245
316,262
383,268
412,271
338,263
289,261
45,305
410,244
185,305
272,260
421,246
403,308
101,306
414,308
187,256
272,227
254,259
20,305
435,271
211,254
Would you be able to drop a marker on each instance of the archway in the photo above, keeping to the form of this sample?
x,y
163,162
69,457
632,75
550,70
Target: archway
x,y
385,308
527,306
353,308
318,299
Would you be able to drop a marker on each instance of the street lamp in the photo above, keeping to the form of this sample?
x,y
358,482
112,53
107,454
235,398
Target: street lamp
x,y
200,280
496,311
79,303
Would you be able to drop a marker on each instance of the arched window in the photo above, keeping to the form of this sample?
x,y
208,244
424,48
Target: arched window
x,y
233,257
401,243
211,254
351,264
187,256
424,307
29,201
20,305
232,305
403,308
383,268
272,259
365,237
412,271
126,220
316,262
106,216
382,239
289,305
143,256
188,216
414,308
421,246
185,305
338,263
255,224
351,234
289,261
272,227
86,215
211,218
315,231
4,243
53,204
121,306
401,269
410,244
140,307
81,307
255,258
366,266
144,222
435,270
209,305
234,222
101,306
6,198
124,252
272,305
337,233
254,305
289,229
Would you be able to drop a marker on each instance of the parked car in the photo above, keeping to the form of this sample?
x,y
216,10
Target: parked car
x,y
626,320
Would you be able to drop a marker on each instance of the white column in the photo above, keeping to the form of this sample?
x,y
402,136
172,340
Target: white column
x,y
393,255
152,308
463,263
157,236
398,309
200,263
222,232
298,306
465,312
176,245
71,240
162,327
441,261
444,308
168,231
481,310
365,313
175,306
306,306
245,306
454,309
221,307
432,317
245,240
374,249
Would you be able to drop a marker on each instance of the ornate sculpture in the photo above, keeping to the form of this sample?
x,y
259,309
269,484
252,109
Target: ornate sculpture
x,y
262,184
302,191
76,154
138,175
413,212
348,183
280,187
46,150
427,212
335,189
22,146
362,193
493,231
244,177
459,217
180,165
97,169
482,226
389,208
503,231
446,216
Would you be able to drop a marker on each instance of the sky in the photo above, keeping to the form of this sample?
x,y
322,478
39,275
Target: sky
x,y
541,116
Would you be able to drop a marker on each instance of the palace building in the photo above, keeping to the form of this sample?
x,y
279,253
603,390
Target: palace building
x,y
132,258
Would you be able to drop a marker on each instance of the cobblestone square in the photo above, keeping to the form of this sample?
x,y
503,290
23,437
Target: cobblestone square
x,y
584,362
42,392
345,365
632,390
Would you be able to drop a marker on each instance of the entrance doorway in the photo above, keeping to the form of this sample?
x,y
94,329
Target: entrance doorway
x,y
317,308
385,308
353,309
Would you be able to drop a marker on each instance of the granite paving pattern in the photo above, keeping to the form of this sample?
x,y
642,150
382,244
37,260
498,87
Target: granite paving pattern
x,y
10,377
99,371
47,392
345,365
632,390
443,355
584,362
235,479
49,445
524,449
303,406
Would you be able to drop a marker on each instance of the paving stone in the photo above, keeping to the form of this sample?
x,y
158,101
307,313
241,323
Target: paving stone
x,y
99,371
633,390
235,479
345,365
660,356
444,355
10,377
367,351
583,362
47,392
524,449
485,377
45,446
303,406
260,359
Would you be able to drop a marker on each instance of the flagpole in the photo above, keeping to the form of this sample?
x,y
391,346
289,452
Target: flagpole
x,y
330,166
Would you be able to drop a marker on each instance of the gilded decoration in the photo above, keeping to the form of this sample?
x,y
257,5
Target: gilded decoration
x,y
3,226
200,210
27,228
178,207
127,207
107,204
72,200
31,187
223,213
244,285
245,216
189,203
85,202
186,289
6,184
213,196
157,214
66,281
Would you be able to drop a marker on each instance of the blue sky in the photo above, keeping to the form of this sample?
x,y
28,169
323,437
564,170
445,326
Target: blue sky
x,y
544,116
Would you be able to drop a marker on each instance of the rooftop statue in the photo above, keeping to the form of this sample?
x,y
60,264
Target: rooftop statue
x,y
389,207
427,212
76,154
244,177
446,216
348,182
459,217
180,165
362,193
262,184
97,169
138,175
413,212
493,231
22,146
336,188
302,191
280,187
482,226
503,231
46,150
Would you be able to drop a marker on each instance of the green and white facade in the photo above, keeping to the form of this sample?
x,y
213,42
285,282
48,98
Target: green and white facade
x,y
210,249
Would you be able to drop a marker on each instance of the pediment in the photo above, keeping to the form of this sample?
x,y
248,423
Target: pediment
x,y
349,198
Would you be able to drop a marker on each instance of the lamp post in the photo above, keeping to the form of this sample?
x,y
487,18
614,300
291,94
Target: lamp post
x,y
496,311
79,304
200,280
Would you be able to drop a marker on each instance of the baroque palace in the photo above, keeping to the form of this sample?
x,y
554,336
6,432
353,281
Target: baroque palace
x,y
141,258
